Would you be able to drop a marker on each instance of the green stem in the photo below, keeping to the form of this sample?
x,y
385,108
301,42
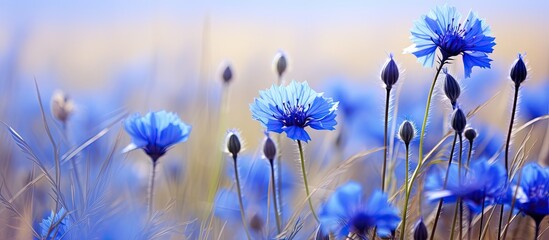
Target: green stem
x,y
404,213
151,189
455,219
439,207
273,183
302,158
384,168
242,214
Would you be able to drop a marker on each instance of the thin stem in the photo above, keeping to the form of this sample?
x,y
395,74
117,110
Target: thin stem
x,y
404,213
151,189
240,202
470,152
469,227
273,184
384,168
439,207
507,146
455,219
459,175
426,116
482,216
302,158
538,223
279,161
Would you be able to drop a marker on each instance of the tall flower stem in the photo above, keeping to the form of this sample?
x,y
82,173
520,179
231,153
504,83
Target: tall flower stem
x,y
481,216
384,168
538,223
405,212
469,153
151,188
455,219
459,178
507,146
439,207
273,184
302,159
240,202
279,161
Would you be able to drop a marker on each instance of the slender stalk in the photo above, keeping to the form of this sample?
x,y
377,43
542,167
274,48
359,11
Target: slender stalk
x,y
481,216
439,207
469,227
507,146
74,166
459,178
279,161
538,223
240,202
151,189
273,184
469,153
302,158
384,168
426,116
455,219
404,213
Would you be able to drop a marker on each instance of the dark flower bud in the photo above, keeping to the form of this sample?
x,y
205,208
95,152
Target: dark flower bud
x,y
407,132
256,223
519,71
61,106
269,149
420,231
227,74
459,121
451,88
280,63
390,72
470,134
233,143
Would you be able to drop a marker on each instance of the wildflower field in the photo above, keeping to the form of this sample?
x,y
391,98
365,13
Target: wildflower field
x,y
282,120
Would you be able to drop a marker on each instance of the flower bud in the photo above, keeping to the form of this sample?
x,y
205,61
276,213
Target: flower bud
x,y
451,88
233,143
519,71
61,106
280,63
227,74
459,121
256,223
407,132
420,231
269,149
390,72
470,134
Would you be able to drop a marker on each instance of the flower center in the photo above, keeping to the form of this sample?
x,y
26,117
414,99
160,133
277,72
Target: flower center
x,y
294,115
360,223
451,41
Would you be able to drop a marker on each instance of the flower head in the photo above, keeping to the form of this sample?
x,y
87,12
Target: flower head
x,y
292,108
345,212
57,224
482,182
156,132
518,71
442,29
533,191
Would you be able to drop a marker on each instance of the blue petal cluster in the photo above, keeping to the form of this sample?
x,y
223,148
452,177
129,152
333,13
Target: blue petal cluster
x,y
156,132
56,225
345,212
533,191
482,182
442,29
292,108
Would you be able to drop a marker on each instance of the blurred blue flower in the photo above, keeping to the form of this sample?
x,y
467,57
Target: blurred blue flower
x,y
533,191
482,181
255,179
292,108
534,101
345,212
156,132
56,225
441,29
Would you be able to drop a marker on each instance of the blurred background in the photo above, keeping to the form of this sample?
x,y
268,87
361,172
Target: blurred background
x,y
141,56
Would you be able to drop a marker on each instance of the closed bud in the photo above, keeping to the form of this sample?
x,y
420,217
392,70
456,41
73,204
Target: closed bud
x,y
256,223
269,149
407,132
390,72
459,121
280,63
451,88
470,134
227,74
61,106
519,71
420,231
233,143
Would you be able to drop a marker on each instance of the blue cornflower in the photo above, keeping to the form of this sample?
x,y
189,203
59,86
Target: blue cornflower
x,y
156,132
345,212
56,225
533,191
292,108
442,29
482,182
